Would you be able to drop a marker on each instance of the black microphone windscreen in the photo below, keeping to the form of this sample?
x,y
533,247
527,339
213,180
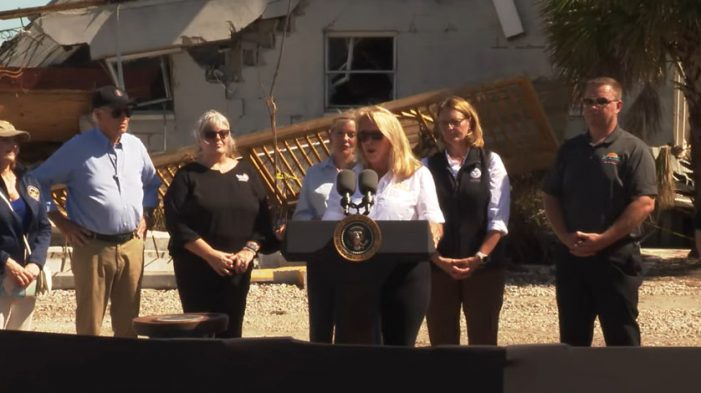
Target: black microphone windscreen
x,y
367,181
345,182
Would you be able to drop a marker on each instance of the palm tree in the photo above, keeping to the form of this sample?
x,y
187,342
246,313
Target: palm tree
x,y
638,42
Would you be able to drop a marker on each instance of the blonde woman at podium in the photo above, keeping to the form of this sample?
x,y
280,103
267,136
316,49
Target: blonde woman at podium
x,y
405,191
318,184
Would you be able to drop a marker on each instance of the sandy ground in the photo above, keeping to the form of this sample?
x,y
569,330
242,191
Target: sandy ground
x,y
670,307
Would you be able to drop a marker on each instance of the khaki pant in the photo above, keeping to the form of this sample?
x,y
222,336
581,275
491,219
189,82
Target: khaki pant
x,y
16,312
481,296
105,272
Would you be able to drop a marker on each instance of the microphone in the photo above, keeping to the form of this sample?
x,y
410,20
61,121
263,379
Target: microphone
x,y
367,182
345,185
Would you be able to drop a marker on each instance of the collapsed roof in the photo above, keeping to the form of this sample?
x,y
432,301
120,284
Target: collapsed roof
x,y
134,27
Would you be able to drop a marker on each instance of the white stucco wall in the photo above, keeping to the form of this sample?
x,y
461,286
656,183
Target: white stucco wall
x,y
439,44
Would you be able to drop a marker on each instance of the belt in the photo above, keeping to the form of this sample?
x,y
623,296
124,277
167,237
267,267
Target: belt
x,y
118,238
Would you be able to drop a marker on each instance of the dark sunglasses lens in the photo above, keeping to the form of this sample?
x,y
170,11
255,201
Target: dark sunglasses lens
x,y
375,136
213,134
118,112
600,101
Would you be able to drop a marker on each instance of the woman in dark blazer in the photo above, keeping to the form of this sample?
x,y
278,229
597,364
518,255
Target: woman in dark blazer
x,y
25,233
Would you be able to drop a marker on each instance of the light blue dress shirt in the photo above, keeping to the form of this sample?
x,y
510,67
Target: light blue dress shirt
x,y
318,183
108,185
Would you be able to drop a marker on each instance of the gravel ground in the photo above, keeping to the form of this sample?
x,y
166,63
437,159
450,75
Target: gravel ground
x,y
670,307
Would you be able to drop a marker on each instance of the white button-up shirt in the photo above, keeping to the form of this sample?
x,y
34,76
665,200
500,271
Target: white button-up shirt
x,y
411,199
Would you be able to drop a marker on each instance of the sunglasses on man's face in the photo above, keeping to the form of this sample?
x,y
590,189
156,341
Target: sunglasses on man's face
x,y
212,135
117,113
598,101
374,135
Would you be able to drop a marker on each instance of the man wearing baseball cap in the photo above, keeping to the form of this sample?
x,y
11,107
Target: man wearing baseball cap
x,y
112,187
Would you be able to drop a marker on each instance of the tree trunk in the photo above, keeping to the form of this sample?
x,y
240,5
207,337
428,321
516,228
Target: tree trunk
x,y
695,139
690,61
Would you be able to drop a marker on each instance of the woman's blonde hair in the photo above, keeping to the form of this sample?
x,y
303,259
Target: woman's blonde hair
x,y
340,121
402,162
475,136
210,119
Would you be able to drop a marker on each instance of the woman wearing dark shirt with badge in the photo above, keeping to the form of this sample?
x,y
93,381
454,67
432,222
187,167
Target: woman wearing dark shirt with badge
x,y
474,194
218,219
25,232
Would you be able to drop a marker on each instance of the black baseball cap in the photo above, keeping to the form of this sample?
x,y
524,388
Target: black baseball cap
x,y
110,96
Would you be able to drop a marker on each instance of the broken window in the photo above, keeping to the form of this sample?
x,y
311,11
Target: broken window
x,y
147,81
360,70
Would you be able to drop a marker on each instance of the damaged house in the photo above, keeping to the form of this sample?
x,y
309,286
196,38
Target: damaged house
x,y
179,58
182,57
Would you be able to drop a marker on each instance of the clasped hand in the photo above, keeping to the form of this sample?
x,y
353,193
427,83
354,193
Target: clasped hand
x,y
227,264
457,268
22,275
584,244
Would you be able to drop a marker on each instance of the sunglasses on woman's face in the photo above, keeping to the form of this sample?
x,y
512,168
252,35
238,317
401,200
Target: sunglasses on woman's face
x,y
374,135
10,140
117,113
212,135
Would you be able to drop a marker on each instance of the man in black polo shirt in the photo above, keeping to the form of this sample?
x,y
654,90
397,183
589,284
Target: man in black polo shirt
x,y
599,190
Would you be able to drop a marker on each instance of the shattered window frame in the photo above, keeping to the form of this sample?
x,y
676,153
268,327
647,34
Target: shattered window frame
x,y
345,73
163,104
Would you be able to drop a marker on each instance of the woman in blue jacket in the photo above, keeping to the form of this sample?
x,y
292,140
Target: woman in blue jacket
x,y
25,232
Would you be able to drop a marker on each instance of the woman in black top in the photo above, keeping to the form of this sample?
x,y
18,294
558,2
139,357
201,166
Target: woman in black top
x,y
474,194
218,218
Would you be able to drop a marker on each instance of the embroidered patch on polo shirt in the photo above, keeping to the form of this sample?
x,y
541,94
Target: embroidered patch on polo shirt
x,y
242,177
33,192
610,158
476,173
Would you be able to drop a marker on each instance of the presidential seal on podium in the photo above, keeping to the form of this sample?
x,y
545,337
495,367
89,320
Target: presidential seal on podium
x,y
357,238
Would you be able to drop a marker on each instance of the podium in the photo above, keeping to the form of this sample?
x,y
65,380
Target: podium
x,y
357,285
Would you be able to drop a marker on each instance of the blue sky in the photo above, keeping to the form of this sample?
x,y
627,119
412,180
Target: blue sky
x,y
14,4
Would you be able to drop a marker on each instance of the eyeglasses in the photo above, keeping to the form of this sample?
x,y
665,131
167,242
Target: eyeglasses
x,y
374,135
598,101
118,112
455,123
212,135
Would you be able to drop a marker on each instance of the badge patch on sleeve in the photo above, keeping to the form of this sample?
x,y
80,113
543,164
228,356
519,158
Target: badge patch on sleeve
x,y
33,192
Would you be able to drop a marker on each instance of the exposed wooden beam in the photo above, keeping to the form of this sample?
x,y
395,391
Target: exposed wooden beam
x,y
30,11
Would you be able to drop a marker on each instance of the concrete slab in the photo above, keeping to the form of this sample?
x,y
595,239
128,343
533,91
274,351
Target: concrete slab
x,y
158,265
166,279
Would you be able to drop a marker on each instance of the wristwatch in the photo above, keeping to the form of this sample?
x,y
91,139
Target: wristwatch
x,y
482,258
253,246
